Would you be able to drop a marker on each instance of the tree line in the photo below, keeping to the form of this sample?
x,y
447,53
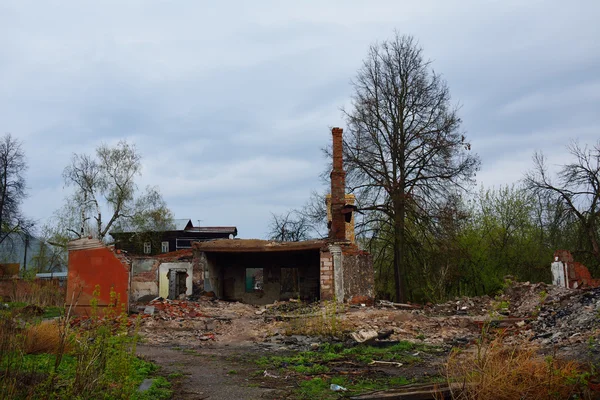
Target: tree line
x,y
104,197
412,169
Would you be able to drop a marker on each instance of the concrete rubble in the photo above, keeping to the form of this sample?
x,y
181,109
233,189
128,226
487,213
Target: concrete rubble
x,y
530,314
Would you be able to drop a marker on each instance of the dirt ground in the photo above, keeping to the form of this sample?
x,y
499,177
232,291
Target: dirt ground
x,y
216,373
208,348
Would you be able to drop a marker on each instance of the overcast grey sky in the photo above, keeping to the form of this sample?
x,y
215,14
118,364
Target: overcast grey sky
x,y
230,101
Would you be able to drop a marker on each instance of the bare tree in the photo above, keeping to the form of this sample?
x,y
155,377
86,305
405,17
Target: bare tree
x,y
289,227
107,181
578,189
12,188
403,147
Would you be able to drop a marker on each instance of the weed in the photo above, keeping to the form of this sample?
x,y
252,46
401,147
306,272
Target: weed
x,y
326,322
232,372
53,359
160,389
499,372
315,370
176,375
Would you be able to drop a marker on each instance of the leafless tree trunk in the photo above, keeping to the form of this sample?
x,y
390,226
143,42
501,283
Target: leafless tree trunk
x,y
404,149
578,188
289,227
12,188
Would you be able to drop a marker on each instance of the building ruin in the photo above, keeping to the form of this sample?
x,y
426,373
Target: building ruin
x,y
247,270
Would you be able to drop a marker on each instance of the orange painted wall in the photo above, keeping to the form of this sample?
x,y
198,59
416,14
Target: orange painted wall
x,y
91,267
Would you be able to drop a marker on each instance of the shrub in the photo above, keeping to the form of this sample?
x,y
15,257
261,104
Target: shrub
x,y
44,337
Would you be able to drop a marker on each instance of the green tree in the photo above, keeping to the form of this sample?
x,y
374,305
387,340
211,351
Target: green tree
x,y
106,182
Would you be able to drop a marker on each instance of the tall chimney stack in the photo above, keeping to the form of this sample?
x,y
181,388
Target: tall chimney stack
x,y
338,188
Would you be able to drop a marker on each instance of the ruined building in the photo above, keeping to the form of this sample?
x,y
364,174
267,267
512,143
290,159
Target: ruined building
x,y
567,272
248,270
261,271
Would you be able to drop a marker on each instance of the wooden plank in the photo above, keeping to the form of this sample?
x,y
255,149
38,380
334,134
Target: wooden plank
x,y
413,392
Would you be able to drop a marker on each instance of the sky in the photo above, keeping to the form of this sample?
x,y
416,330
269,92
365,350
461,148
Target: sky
x,y
231,102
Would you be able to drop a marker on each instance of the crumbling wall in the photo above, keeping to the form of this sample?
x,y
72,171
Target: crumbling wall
x,y
211,273
227,275
567,272
358,277
145,273
326,275
144,277
163,277
91,265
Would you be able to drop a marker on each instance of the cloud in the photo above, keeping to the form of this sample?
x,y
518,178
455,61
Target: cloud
x,y
554,100
230,102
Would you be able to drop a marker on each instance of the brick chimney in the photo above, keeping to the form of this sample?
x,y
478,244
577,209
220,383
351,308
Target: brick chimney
x,y
338,188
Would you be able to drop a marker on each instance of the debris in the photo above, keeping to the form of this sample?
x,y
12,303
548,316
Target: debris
x,y
267,374
337,388
209,336
402,306
149,310
396,364
365,335
145,385
414,392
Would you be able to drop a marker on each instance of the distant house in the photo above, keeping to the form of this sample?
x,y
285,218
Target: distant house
x,y
23,252
180,236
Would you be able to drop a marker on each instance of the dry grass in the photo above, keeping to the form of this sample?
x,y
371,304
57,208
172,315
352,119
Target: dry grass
x,y
327,322
498,372
42,338
41,293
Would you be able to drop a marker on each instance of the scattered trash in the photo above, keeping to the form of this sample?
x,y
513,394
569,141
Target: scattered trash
x,y
337,388
145,385
149,310
365,335
267,374
395,364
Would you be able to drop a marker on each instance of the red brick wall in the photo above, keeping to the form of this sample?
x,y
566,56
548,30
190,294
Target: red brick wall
x,y
326,266
338,188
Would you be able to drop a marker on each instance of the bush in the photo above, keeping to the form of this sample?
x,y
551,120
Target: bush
x,y
44,337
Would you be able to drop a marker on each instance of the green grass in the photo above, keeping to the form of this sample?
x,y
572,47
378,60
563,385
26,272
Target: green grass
x,y
319,388
314,370
16,304
160,390
43,365
53,312
176,375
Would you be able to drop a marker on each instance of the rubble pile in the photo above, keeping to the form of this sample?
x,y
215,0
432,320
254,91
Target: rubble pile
x,y
538,314
525,299
416,325
567,319
173,309
191,323
461,306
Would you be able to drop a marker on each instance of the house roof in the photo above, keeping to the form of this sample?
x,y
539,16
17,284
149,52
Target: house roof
x,y
232,230
182,224
255,245
85,244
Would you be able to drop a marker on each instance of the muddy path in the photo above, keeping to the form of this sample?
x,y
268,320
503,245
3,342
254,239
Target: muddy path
x,y
229,370
212,373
